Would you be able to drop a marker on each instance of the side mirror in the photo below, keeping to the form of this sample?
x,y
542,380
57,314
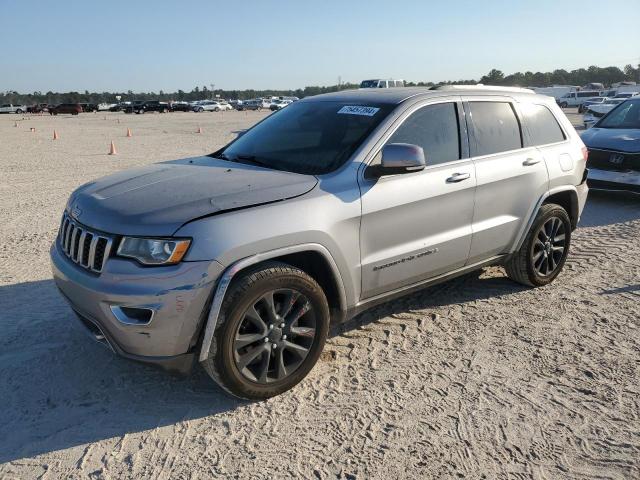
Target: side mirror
x,y
398,158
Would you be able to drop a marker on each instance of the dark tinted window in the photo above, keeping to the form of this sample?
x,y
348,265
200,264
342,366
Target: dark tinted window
x,y
542,125
308,137
435,129
496,128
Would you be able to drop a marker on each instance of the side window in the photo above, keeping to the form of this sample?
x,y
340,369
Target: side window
x,y
496,127
435,129
542,125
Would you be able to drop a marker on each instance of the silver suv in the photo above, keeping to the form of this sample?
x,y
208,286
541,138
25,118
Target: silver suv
x,y
242,259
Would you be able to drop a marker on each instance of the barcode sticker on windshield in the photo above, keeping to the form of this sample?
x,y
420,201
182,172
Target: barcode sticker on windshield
x,y
358,110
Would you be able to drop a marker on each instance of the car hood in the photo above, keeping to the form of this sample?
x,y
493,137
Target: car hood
x,y
158,199
622,139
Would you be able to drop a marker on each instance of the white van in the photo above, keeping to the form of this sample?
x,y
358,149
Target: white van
x,y
378,83
575,99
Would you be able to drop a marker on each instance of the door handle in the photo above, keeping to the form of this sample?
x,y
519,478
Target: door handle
x,y
530,161
458,177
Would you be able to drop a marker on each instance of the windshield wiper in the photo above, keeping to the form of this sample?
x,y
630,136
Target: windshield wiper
x,y
252,159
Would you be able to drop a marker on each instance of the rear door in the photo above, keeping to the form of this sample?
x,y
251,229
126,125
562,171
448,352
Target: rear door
x,y
418,225
511,177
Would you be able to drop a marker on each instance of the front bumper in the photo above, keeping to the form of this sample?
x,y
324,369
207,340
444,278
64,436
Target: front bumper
x,y
178,295
628,181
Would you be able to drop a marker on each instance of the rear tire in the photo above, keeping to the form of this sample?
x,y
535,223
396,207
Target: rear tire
x,y
564,105
544,251
271,330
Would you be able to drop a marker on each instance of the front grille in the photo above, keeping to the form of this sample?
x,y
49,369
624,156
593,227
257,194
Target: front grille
x,y
87,248
612,160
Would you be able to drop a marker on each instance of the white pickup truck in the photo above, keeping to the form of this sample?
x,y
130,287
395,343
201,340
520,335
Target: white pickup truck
x,y
8,108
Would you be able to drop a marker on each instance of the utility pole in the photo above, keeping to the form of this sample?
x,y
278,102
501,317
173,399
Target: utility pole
x,y
213,86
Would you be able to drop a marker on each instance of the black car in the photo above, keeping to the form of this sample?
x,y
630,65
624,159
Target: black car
x,y
180,107
89,107
614,149
139,106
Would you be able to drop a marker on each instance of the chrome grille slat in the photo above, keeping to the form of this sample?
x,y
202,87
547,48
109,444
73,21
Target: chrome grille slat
x,y
72,238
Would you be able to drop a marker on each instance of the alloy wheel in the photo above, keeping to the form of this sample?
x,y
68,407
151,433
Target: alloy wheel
x,y
549,247
275,336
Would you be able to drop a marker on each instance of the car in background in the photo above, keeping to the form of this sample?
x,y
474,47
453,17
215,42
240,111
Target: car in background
x,y
236,104
626,95
72,108
279,104
38,108
597,111
103,107
575,99
137,106
9,108
591,101
379,83
180,107
614,149
212,106
252,105
89,107
119,107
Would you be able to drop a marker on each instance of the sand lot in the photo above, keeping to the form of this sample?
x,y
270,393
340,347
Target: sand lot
x,y
475,378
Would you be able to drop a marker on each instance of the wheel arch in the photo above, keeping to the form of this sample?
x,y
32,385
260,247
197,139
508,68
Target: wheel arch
x,y
566,196
314,259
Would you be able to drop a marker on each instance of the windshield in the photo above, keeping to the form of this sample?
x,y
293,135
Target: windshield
x,y
308,137
625,115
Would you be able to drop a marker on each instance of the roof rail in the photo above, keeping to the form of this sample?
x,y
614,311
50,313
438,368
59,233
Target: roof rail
x,y
482,87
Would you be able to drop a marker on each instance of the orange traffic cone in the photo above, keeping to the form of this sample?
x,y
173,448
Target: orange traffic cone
x,y
112,150
199,129
55,135
129,132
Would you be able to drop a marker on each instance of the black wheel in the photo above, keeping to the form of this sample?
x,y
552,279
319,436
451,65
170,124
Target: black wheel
x,y
272,327
564,105
216,109
544,251
19,110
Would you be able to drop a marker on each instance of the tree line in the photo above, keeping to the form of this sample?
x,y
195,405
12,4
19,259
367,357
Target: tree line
x,y
580,76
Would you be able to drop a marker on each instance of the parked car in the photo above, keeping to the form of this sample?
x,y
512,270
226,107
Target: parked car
x,y
89,107
136,106
236,104
212,106
234,271
251,105
614,148
575,99
181,107
38,108
597,111
9,108
103,107
626,95
378,83
279,104
119,107
591,101
72,108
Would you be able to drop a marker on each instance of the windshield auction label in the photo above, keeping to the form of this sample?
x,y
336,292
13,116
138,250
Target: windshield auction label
x,y
358,110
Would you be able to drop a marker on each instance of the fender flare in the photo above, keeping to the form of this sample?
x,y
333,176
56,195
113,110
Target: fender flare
x,y
230,272
523,233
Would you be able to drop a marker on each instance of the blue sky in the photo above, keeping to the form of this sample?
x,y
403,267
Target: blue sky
x,y
169,45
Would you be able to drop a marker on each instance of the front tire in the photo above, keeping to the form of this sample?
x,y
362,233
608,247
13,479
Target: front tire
x,y
564,105
272,328
544,251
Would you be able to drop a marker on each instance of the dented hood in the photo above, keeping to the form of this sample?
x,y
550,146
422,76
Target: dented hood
x,y
158,199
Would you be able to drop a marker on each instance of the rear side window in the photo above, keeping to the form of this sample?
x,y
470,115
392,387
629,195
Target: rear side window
x,y
496,127
435,129
542,125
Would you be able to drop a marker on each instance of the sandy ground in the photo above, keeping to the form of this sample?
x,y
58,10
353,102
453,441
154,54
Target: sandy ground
x,y
475,378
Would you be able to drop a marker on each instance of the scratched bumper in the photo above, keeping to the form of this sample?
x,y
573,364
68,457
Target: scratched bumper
x,y
178,296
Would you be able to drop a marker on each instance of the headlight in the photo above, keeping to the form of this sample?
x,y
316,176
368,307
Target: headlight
x,y
154,251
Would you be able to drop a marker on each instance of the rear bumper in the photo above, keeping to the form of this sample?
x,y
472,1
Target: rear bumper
x,y
178,296
628,181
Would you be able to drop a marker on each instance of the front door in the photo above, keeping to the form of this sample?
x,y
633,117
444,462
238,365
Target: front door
x,y
418,225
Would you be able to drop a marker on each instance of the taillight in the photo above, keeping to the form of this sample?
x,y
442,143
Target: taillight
x,y
585,153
